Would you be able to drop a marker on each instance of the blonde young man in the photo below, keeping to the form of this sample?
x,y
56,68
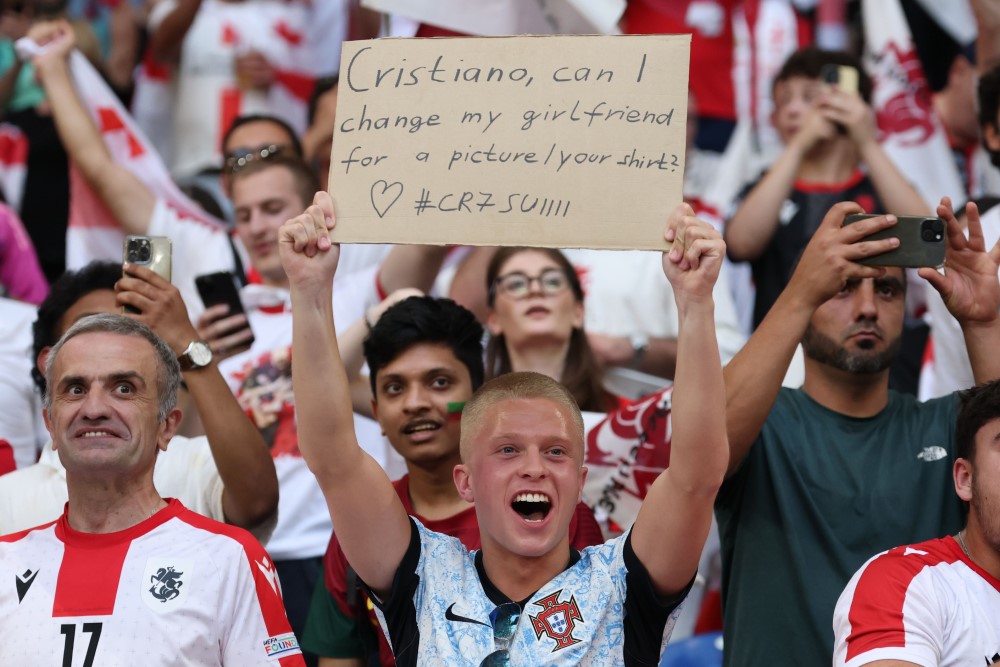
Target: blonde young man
x,y
526,597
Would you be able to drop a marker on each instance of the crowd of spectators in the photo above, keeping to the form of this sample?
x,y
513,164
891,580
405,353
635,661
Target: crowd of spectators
x,y
849,433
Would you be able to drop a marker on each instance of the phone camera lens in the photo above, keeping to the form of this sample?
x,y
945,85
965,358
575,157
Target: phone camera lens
x,y
932,230
140,251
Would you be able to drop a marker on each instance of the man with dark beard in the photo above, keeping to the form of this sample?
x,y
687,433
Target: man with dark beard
x,y
824,476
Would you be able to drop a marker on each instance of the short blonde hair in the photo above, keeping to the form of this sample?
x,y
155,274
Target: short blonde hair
x,y
513,386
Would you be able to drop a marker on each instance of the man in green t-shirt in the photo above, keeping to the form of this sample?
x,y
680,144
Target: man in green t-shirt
x,y
824,476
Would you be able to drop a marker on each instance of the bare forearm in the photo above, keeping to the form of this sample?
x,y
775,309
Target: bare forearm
x,y
250,483
128,199
981,342
358,493
699,451
674,520
987,13
753,225
468,288
753,377
660,358
124,52
897,194
77,131
411,266
167,38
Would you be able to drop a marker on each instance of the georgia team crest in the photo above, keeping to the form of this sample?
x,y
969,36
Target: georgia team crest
x,y
557,620
166,582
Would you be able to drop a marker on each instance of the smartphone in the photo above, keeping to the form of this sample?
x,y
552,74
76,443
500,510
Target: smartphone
x,y
844,77
222,287
153,252
921,242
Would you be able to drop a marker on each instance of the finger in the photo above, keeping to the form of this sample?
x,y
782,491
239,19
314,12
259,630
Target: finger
x,y
862,271
126,286
322,224
145,274
682,221
136,300
834,218
226,326
976,239
301,234
324,201
934,277
865,249
857,231
995,252
231,343
702,248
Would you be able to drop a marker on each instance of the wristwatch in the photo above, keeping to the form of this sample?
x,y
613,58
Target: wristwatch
x,y
197,355
640,343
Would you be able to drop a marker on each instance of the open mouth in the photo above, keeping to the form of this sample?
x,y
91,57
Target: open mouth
x,y
533,507
420,427
85,433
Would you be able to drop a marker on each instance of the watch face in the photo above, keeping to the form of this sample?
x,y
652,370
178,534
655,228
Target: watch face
x,y
200,353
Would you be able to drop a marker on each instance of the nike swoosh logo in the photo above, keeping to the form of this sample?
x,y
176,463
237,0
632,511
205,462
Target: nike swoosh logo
x,y
24,582
452,616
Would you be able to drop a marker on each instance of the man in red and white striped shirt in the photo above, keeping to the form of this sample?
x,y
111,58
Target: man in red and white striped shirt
x,y
124,576
937,603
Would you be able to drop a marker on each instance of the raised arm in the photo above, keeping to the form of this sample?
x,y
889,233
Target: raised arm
x,y
128,198
413,266
468,288
754,376
372,525
675,517
250,484
752,227
987,13
970,289
168,34
897,194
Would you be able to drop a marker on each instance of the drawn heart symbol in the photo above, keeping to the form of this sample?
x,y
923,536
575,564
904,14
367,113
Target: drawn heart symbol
x,y
382,192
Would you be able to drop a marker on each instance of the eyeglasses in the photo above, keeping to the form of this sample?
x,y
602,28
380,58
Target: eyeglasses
x,y
241,157
517,285
504,621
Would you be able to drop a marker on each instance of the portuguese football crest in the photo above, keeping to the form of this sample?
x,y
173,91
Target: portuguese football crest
x,y
557,620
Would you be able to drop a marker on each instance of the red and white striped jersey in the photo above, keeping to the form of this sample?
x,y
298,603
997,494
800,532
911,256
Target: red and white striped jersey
x,y
925,603
176,589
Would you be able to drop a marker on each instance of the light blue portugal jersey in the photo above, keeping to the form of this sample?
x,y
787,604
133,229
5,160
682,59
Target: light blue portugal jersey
x,y
602,610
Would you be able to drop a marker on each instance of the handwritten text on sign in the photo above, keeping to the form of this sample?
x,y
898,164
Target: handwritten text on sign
x,y
563,141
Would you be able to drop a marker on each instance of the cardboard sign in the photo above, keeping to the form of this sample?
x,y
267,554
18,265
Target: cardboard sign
x,y
561,141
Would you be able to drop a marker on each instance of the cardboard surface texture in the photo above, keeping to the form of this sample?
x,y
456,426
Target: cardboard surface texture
x,y
558,141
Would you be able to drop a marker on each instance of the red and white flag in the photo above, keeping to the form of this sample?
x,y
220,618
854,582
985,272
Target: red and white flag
x,y
13,164
910,132
625,454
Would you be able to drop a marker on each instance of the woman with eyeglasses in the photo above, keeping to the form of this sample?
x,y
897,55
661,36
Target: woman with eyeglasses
x,y
536,323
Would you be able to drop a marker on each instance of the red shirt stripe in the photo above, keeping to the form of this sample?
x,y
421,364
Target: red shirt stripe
x,y
92,565
881,593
